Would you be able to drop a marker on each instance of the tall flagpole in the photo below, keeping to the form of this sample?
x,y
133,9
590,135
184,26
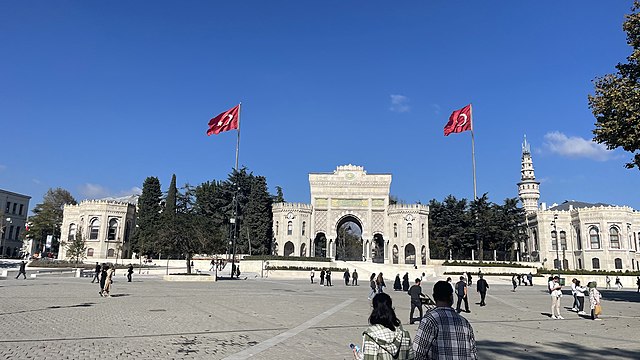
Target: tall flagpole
x,y
473,152
238,142
234,226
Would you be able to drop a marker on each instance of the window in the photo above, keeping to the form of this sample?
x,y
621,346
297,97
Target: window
x,y
127,231
10,232
6,211
594,238
579,239
113,229
635,242
554,240
290,228
618,263
395,230
17,232
277,228
304,227
614,238
89,252
110,253
629,235
535,240
72,232
595,263
409,230
580,264
94,228
21,209
15,207
422,231
563,240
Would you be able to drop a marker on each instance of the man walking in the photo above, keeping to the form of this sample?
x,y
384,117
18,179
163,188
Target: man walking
x,y
482,287
618,283
415,291
346,277
322,277
328,277
313,274
22,270
354,278
129,272
96,274
461,290
442,333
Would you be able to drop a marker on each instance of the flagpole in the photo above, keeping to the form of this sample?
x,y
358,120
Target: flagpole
x,y
473,153
238,142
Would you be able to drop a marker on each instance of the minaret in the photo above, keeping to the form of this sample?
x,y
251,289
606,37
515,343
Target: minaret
x,y
528,188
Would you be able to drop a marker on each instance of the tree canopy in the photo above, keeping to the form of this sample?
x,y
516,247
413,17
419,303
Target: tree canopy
x,y
47,217
616,102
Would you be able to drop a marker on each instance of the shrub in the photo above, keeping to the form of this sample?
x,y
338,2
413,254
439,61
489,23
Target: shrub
x,y
484,264
304,268
70,264
487,274
590,272
288,258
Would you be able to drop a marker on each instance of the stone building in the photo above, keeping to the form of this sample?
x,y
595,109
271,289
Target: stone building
x,y
106,226
390,233
13,217
577,235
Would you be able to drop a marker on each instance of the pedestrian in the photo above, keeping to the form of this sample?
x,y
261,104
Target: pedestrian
x,y
580,290
469,278
482,287
555,289
107,284
405,282
322,273
638,282
461,290
416,300
373,286
380,283
608,282
22,271
450,282
103,277
96,274
530,278
618,283
313,274
594,300
423,277
213,264
513,282
354,278
327,278
129,272
233,270
385,338
238,271
442,333
574,307
397,285
519,280
346,276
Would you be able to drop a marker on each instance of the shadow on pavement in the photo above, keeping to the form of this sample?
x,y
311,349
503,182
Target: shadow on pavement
x,y
488,349
49,308
616,295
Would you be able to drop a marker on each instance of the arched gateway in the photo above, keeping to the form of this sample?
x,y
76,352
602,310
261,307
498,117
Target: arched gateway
x,y
350,218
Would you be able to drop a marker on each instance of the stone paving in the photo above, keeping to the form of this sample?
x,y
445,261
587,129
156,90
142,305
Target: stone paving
x,y
65,318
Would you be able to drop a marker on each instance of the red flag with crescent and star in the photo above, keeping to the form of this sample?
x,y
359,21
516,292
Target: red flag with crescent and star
x,y
226,121
459,121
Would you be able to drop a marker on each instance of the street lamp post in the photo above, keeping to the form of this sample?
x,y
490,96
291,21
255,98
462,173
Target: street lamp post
x,y
555,231
3,227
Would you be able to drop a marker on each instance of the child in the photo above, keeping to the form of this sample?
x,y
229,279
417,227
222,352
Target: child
x,y
594,299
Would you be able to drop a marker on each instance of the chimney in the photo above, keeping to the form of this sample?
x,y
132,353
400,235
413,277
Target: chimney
x,y
543,206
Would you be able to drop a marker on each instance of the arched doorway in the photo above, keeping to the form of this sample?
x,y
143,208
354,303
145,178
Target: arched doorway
x,y
410,254
395,254
288,248
303,250
423,255
320,245
377,255
349,239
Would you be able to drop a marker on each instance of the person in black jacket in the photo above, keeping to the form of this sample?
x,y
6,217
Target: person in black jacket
x,y
482,287
322,277
22,270
129,272
96,275
397,285
416,293
405,282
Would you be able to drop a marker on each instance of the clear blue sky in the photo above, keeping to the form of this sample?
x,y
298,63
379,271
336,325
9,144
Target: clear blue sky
x,y
96,96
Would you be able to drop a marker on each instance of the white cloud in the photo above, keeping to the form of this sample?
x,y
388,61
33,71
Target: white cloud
x,y
575,146
133,191
36,181
399,103
93,191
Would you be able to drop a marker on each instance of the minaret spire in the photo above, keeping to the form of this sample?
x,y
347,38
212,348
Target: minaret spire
x,y
528,187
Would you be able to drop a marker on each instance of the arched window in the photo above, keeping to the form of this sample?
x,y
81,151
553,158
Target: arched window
x,y
94,229
277,228
563,240
580,264
113,229
594,239
554,240
614,238
289,249
618,263
409,230
90,252
595,263
629,235
578,238
422,231
304,227
110,253
290,228
535,241
395,230
72,232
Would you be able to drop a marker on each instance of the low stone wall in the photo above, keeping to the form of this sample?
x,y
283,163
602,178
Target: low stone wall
x,y
601,280
486,270
190,278
257,266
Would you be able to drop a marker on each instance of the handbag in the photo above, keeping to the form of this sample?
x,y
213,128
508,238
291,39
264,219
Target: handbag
x,y
598,310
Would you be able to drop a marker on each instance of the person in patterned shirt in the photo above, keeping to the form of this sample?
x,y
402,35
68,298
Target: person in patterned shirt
x,y
385,339
443,333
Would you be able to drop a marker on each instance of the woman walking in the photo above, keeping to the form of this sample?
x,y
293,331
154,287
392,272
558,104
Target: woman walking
x,y
397,286
380,283
385,338
372,285
514,283
594,299
405,282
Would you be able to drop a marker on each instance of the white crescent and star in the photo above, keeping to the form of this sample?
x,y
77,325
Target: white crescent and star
x,y
230,116
464,122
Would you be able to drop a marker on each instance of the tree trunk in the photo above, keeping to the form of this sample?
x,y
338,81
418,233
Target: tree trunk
x,y
188,257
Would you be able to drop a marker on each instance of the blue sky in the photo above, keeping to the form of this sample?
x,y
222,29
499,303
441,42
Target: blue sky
x,y
96,96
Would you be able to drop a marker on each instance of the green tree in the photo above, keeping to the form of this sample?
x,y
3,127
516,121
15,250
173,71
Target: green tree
x,y
145,237
449,228
76,248
616,102
256,225
279,197
47,217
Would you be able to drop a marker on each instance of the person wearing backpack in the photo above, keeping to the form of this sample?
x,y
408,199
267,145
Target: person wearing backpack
x,y
385,339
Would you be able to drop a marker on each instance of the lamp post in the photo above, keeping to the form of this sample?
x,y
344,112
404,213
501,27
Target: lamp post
x,y
555,231
3,227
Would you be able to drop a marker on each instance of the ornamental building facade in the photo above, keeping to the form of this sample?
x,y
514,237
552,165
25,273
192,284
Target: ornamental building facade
x,y
388,233
106,226
577,235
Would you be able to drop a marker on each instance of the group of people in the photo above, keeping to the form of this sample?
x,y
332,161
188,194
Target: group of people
x,y
104,273
618,283
519,279
377,285
578,292
442,333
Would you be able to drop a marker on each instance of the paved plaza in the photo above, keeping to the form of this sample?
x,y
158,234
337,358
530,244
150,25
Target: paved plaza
x,y
65,318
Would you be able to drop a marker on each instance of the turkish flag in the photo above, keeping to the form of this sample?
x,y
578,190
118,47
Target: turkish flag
x,y
459,121
226,121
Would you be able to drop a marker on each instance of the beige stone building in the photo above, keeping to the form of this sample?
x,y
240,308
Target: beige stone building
x,y
390,233
106,225
577,235
14,208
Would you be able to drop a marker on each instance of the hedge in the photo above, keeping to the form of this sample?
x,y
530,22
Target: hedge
x,y
287,258
590,272
71,264
304,268
491,274
484,264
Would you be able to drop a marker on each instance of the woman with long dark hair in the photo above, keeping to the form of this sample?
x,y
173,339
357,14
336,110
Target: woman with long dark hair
x,y
385,338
